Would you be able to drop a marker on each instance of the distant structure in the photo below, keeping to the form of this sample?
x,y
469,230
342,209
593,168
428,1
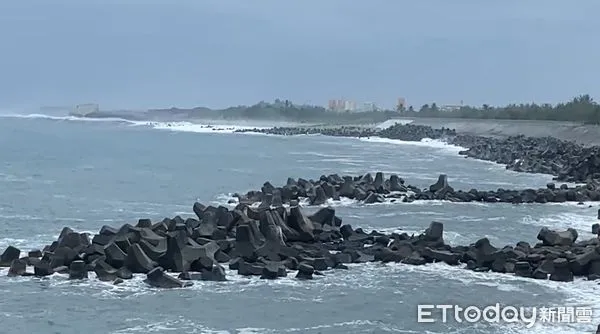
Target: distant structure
x,y
332,105
84,109
342,105
451,107
368,107
401,104
349,105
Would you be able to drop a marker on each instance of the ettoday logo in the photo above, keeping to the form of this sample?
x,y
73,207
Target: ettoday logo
x,y
496,313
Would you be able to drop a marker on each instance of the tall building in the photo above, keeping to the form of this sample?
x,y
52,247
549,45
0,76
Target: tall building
x,y
349,105
332,105
341,105
401,104
368,107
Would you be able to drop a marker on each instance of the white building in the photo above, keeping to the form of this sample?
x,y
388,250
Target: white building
x,y
368,107
342,105
349,106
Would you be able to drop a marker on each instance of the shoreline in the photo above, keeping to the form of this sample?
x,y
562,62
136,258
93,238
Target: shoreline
x,y
567,161
583,134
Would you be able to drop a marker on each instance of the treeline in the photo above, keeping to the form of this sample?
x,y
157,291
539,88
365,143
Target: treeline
x,y
581,109
284,110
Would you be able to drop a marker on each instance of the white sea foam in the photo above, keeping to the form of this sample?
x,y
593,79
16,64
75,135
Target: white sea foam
x,y
351,324
230,201
198,128
5,242
426,142
177,326
172,126
68,118
393,122
562,221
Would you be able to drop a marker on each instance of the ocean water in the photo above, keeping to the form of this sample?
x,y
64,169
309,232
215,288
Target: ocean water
x,y
60,171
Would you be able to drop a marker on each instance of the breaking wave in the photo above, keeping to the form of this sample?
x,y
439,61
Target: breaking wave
x,y
426,142
68,118
198,128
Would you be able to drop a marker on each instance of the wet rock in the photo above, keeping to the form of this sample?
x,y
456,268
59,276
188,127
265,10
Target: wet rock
x,y
137,261
396,183
562,272
594,270
11,253
554,238
319,197
523,269
580,263
115,256
35,253
42,268
373,198
441,187
61,270
216,274
435,231
245,243
207,226
270,230
325,216
104,272
301,224
272,271
441,256
198,209
159,279
124,273
305,271
144,223
484,252
190,276
78,270
249,269
18,267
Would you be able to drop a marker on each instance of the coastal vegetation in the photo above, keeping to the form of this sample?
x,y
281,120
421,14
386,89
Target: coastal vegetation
x,y
284,110
580,109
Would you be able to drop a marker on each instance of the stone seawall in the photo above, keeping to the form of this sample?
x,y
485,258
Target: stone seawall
x,y
577,132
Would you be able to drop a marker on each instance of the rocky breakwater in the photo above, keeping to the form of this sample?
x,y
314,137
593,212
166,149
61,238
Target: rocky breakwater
x,y
266,242
567,161
411,132
406,132
368,189
271,242
342,131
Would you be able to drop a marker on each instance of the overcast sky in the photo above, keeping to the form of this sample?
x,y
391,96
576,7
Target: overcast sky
x,y
216,53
